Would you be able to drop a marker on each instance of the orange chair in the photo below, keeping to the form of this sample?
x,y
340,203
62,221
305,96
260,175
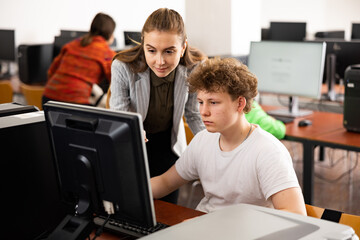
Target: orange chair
x,y
188,132
33,94
344,218
6,92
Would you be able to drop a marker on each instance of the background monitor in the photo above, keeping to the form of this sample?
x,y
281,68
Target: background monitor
x,y
287,31
355,31
7,45
288,68
339,55
7,52
59,42
331,34
72,33
100,154
69,35
65,37
136,36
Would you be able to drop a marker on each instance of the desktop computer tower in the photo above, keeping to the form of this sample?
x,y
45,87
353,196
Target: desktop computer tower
x,y
34,62
7,109
352,98
30,195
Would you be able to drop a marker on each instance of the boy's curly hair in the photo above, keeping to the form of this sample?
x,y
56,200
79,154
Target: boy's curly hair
x,y
225,75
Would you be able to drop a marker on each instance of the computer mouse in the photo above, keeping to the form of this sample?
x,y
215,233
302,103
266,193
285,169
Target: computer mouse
x,y
305,122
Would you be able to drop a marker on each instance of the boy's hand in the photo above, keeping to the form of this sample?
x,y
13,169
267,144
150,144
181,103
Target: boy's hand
x,y
146,140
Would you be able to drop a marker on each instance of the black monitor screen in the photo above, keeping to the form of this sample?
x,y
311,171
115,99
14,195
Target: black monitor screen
x,y
7,45
68,36
132,36
346,53
287,31
100,154
355,31
72,33
59,42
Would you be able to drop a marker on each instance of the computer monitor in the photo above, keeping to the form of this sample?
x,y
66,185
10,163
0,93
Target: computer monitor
x,y
339,55
100,155
330,34
7,51
59,42
287,31
288,68
132,36
355,31
67,36
72,33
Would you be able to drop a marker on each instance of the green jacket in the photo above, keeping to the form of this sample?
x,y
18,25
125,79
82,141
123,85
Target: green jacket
x,y
258,116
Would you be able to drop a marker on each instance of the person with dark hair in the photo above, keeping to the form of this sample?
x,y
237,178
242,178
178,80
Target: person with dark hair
x,y
235,161
82,63
150,79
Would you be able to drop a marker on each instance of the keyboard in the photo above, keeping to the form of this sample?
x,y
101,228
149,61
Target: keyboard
x,y
129,229
283,118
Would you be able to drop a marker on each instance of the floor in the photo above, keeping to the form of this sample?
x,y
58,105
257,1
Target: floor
x,y
337,180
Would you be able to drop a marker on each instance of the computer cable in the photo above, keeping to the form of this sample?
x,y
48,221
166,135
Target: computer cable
x,y
101,228
342,175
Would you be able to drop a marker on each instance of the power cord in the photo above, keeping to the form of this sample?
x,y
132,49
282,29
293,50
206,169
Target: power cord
x,y
100,230
342,175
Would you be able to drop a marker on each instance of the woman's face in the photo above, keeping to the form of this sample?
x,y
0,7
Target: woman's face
x,y
163,51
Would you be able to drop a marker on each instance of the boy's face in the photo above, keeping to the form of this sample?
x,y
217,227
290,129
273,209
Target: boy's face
x,y
218,111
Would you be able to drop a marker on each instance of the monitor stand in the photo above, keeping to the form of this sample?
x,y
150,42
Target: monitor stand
x,y
5,75
80,225
331,94
293,111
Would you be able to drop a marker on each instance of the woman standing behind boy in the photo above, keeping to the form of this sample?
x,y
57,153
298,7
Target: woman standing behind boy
x,y
151,79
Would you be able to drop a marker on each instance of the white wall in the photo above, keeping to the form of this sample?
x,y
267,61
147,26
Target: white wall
x,y
320,15
245,26
38,21
208,25
215,26
208,20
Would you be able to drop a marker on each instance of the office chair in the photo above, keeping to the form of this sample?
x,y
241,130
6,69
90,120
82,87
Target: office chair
x,y
33,94
6,92
334,216
188,132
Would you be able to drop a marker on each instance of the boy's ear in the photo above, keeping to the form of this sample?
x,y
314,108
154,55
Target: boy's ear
x,y
241,103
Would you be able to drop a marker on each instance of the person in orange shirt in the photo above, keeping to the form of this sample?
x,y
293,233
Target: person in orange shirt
x,y
82,63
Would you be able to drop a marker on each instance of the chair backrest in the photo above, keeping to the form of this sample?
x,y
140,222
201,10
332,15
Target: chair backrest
x,y
344,218
6,92
188,132
33,94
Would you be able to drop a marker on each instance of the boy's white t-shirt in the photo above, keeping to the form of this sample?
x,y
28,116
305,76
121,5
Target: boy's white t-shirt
x,y
251,173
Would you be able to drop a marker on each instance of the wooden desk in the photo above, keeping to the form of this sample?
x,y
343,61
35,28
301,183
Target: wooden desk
x,y
165,212
341,139
327,130
322,123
